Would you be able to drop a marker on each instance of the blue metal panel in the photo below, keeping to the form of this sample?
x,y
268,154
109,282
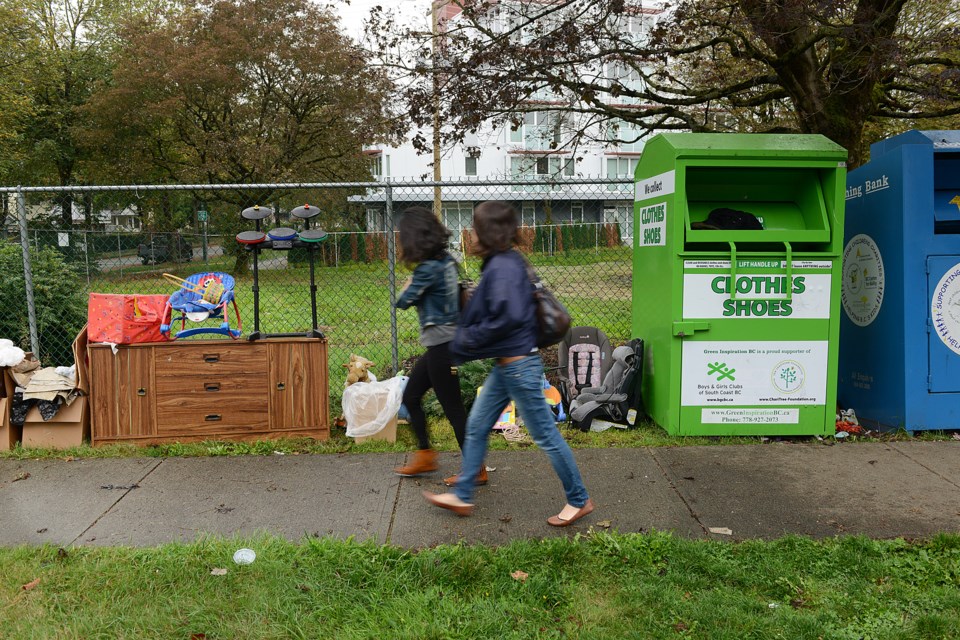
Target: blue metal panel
x,y
871,367
894,367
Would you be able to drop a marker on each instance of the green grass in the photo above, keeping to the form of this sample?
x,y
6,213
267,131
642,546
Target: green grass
x,y
645,434
597,585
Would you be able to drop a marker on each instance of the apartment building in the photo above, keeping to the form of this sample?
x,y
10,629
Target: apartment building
x,y
539,149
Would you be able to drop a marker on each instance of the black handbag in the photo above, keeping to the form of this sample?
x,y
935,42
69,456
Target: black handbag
x,y
553,319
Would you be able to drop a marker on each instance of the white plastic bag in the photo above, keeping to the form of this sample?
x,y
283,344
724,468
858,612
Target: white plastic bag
x,y
369,406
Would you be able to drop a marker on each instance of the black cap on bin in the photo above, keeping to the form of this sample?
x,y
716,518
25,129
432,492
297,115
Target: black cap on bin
x,y
724,218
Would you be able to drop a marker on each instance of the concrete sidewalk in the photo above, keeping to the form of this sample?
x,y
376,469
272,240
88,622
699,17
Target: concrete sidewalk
x,y
882,490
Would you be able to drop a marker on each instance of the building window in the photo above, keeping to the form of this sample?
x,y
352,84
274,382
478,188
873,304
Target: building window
x,y
528,215
620,213
539,131
376,166
457,216
621,167
551,166
470,166
576,212
625,136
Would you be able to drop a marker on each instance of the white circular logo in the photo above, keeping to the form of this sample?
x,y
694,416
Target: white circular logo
x,y
788,376
862,290
945,308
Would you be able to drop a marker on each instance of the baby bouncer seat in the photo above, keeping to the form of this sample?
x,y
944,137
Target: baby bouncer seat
x,y
202,297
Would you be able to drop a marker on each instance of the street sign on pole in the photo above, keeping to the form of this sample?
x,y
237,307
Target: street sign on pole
x,y
202,216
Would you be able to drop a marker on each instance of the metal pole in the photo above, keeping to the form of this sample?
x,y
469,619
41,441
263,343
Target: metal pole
x,y
120,252
392,276
204,241
435,33
28,274
86,254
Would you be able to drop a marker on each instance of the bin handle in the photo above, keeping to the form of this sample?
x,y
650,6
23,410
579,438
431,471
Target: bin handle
x,y
733,270
788,249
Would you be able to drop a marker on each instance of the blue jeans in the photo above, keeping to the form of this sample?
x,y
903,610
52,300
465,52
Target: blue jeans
x,y
520,381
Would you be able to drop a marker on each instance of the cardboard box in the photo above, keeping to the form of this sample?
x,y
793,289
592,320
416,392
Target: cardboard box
x,y
9,434
66,429
82,360
388,433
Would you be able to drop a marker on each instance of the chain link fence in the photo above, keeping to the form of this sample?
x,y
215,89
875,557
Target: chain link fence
x,y
61,244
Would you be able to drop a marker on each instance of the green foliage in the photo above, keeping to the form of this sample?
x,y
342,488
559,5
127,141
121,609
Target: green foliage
x,y
472,376
59,299
225,91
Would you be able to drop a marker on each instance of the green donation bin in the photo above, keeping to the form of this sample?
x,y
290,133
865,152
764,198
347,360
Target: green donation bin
x,y
736,282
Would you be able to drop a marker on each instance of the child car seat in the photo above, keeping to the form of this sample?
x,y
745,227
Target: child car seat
x,y
584,360
193,303
619,392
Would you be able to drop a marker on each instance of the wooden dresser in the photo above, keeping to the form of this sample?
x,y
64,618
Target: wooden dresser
x,y
209,389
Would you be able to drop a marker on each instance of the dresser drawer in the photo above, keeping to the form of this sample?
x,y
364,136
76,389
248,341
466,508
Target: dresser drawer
x,y
220,413
210,387
219,361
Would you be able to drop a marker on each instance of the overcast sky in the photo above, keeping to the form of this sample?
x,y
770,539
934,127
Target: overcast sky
x,y
355,14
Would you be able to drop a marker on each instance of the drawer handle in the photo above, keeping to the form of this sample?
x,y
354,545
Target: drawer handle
x,y
211,357
281,386
213,417
141,391
212,386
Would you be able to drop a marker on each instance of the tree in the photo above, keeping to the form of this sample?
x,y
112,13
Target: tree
x,y
66,47
229,91
16,107
811,66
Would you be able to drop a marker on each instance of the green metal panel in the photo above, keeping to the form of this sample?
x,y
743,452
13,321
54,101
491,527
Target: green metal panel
x,y
740,326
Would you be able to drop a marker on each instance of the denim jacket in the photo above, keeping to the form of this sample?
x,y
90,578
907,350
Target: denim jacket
x,y
434,291
499,320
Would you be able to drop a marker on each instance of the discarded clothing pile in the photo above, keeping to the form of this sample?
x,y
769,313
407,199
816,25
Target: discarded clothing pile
x,y
48,388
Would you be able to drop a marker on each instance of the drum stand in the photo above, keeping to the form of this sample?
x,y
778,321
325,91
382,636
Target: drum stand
x,y
283,239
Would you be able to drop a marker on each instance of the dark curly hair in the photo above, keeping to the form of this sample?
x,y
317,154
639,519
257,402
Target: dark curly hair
x,y
496,224
422,236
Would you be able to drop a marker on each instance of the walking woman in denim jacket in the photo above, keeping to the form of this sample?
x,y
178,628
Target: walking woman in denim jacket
x,y
500,322
433,289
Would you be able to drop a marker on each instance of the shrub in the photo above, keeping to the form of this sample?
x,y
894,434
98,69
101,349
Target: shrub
x,y
59,298
472,375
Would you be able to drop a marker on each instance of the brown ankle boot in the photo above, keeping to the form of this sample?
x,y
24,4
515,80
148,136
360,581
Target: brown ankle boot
x,y
482,478
424,461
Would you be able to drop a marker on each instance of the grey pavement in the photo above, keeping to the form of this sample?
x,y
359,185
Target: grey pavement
x,y
765,491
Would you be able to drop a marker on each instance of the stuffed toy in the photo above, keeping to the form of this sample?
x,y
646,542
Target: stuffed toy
x,y
358,370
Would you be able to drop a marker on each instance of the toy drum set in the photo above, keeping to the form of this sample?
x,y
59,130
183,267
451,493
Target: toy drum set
x,y
282,239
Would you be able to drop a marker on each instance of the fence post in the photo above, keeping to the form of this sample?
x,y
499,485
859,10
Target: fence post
x,y
392,275
86,254
120,252
27,273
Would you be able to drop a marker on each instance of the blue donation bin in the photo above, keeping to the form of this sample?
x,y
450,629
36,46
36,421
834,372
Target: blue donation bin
x,y
900,331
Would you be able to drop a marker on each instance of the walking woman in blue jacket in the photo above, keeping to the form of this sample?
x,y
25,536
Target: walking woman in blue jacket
x,y
433,290
500,322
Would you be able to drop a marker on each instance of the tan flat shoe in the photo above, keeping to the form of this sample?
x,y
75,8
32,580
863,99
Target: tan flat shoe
x,y
463,510
557,521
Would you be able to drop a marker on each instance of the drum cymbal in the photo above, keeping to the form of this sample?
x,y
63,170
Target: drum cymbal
x,y
305,212
256,212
